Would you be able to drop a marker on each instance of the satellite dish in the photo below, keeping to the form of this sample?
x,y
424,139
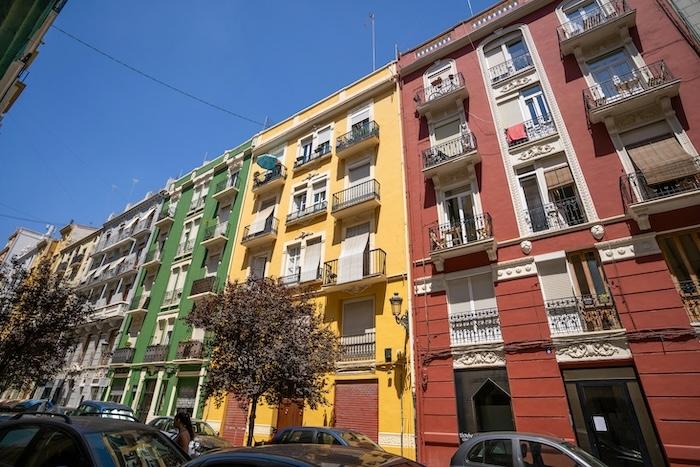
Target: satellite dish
x,y
267,161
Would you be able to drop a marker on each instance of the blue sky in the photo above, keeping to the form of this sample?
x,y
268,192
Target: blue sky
x,y
88,136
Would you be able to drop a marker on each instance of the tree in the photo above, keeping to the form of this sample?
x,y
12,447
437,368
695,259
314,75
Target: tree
x,y
268,343
39,317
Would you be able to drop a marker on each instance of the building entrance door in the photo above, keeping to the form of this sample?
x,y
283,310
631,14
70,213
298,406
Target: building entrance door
x,y
145,402
289,413
610,417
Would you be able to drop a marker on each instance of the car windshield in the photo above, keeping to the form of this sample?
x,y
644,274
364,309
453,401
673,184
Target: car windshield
x,y
121,414
358,440
583,454
202,428
134,448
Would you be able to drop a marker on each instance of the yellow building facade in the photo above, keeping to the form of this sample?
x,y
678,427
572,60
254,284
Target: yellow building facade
x,y
331,215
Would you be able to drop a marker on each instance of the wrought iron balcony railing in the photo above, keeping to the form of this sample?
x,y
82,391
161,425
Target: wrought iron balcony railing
x,y
453,234
635,189
510,67
373,264
260,180
321,150
230,182
359,132
297,278
185,248
309,211
560,214
358,347
156,353
452,149
356,194
123,355
530,130
204,285
196,204
475,327
601,14
439,88
638,81
172,297
270,227
152,255
166,213
190,349
215,230
588,313
690,294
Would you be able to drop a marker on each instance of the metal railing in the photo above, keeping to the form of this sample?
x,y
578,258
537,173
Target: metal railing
x,y
311,210
587,313
189,349
321,150
141,302
690,294
185,248
475,327
172,297
215,230
230,182
373,263
270,227
356,194
628,85
559,214
510,67
166,213
293,279
534,129
635,189
601,15
128,265
204,285
360,132
439,88
152,255
263,179
358,347
142,227
156,353
123,355
452,234
196,204
448,150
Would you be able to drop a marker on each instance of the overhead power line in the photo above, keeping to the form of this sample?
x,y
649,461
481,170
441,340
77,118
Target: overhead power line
x,y
27,219
156,80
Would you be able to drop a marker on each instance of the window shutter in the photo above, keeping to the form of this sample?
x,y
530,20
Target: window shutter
x,y
324,136
359,116
558,177
458,296
358,318
554,279
483,295
662,160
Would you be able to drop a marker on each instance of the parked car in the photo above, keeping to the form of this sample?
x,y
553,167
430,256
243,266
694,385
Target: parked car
x,y
323,435
10,408
301,455
205,437
51,439
105,410
520,450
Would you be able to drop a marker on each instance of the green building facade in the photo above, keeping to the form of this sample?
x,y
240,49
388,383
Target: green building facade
x,y
160,362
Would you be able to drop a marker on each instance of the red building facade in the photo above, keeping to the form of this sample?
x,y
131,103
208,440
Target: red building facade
x,y
553,183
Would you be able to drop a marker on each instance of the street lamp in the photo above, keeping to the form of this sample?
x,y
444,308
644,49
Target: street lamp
x,y
400,317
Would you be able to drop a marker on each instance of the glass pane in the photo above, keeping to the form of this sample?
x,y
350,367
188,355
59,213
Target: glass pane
x,y
447,131
498,452
134,447
56,448
673,257
517,48
493,410
594,270
583,286
544,455
13,442
692,252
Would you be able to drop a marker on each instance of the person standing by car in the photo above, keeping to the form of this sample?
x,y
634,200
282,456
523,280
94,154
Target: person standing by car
x,y
185,432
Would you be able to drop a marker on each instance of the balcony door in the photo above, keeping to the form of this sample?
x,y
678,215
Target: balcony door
x,y
444,140
581,17
614,75
359,121
458,211
357,331
293,262
439,81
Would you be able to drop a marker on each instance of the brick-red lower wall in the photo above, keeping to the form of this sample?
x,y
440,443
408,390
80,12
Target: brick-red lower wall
x,y
234,423
357,407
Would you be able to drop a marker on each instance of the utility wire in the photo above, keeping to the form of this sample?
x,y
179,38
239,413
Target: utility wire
x,y
27,219
156,80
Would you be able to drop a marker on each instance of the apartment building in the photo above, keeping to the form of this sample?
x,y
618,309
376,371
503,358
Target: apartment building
x,y
108,283
553,198
330,215
160,362
19,244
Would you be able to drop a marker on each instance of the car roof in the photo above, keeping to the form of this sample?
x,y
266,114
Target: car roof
x,y
324,428
107,405
80,424
514,434
170,417
312,454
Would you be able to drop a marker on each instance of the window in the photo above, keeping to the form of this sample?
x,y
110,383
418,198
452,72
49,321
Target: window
x,y
507,58
311,267
353,263
299,199
358,317
473,310
144,448
359,119
614,75
293,260
588,274
440,79
682,253
323,141
447,130
534,104
359,173
544,455
14,441
308,198
492,452
301,436
56,448
583,16
326,438
264,216
305,148
314,146
258,265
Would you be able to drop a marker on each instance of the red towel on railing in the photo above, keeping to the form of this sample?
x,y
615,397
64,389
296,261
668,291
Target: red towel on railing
x,y
516,133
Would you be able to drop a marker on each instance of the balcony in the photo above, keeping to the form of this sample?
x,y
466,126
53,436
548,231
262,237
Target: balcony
x,y
190,350
581,315
320,154
356,199
165,218
643,199
558,215
363,136
140,306
205,287
358,348
155,353
298,277
215,236
196,205
77,259
172,297
114,310
226,190
475,327
471,235
450,156
312,212
607,20
152,259
441,94
499,73
143,228
123,355
344,273
269,180
256,235
529,131
631,92
185,248
690,294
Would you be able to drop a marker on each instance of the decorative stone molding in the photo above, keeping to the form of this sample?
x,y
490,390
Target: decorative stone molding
x,y
262,429
426,285
526,246
478,356
362,366
515,269
604,345
628,248
598,231
536,151
637,118
394,440
515,84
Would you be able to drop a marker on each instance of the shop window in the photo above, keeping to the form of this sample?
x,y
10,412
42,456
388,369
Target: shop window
x,y
493,412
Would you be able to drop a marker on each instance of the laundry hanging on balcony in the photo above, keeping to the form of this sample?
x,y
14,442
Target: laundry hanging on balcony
x,y
261,220
516,133
312,261
663,160
351,261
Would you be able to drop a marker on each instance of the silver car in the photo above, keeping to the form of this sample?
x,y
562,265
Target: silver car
x,y
511,449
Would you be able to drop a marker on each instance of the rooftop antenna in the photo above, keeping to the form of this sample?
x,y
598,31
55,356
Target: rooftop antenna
x,y
267,122
471,12
374,51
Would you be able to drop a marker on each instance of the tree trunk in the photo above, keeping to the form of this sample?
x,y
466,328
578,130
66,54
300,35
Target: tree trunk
x,y
251,420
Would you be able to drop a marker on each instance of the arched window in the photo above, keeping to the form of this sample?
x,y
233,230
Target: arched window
x,y
440,79
492,408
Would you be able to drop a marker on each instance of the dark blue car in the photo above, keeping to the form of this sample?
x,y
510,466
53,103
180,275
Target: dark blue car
x,y
324,435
